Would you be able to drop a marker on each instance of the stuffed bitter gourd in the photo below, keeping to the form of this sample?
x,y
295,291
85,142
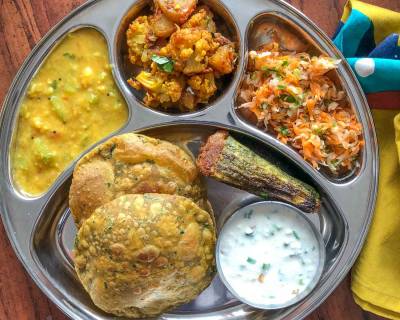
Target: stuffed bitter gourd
x,y
227,160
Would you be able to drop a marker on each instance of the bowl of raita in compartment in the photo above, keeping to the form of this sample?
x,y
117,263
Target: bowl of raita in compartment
x,y
270,255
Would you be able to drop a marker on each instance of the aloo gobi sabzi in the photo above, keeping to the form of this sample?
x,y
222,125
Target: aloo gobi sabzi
x,y
182,57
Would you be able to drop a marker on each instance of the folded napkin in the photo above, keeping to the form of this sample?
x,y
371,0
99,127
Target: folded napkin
x,y
376,274
368,37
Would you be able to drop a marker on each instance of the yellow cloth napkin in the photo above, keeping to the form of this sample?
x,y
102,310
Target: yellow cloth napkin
x,y
376,274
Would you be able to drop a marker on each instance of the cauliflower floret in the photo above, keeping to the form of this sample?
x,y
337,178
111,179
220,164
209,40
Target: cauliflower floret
x,y
203,19
162,89
203,86
190,49
171,90
140,39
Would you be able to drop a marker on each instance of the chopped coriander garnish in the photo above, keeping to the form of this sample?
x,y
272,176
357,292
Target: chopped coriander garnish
x,y
276,227
334,163
268,70
265,68
284,131
251,260
296,235
304,58
76,242
266,266
281,87
288,98
318,131
263,195
160,59
285,63
248,214
54,84
164,63
109,226
69,55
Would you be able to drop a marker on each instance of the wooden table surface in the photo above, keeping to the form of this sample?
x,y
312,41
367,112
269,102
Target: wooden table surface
x,y
22,25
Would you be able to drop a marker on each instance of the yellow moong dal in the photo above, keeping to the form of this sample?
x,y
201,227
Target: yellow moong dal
x,y
71,103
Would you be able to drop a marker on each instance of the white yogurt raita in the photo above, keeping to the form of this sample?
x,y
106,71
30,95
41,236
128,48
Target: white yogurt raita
x,y
268,254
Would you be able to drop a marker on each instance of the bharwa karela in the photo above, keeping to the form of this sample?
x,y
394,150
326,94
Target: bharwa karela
x,y
225,159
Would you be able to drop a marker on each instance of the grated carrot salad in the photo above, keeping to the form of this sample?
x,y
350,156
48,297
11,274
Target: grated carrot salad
x,y
293,98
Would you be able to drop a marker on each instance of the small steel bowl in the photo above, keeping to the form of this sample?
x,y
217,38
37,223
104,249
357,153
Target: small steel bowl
x,y
260,207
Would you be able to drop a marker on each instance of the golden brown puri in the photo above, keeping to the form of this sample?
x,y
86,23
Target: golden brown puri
x,y
129,164
141,255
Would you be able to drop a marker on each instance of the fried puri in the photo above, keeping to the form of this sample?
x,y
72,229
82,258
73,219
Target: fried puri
x,y
141,255
132,164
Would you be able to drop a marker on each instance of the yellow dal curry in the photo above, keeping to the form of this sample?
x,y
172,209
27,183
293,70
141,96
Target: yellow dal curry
x,y
71,103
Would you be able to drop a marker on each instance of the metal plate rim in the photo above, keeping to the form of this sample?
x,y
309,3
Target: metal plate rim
x,y
64,305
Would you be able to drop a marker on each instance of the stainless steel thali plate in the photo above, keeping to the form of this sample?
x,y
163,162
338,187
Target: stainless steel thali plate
x,y
41,230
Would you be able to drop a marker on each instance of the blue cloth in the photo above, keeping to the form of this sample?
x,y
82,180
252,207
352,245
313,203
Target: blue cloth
x,y
368,37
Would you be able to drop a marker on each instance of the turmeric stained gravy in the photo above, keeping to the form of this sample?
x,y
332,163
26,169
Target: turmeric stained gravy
x,y
71,103
268,258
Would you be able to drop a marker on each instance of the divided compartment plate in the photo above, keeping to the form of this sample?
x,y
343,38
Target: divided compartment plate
x,y
41,229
